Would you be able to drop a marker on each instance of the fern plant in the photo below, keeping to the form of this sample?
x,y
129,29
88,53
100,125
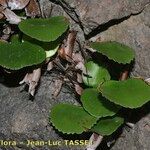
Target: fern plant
x,y
103,97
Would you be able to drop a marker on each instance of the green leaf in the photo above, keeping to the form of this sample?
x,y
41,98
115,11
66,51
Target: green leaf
x,y
106,126
131,93
95,74
115,51
17,55
49,47
97,105
46,30
15,38
71,119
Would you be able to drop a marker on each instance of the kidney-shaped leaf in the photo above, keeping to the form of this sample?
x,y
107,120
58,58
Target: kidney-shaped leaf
x,y
106,126
96,105
17,55
71,119
115,51
95,74
46,30
49,47
131,93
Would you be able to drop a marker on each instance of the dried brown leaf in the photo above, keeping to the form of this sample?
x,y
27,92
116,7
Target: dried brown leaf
x,y
1,12
77,57
79,78
1,9
32,79
1,16
70,44
61,52
11,16
78,89
66,51
32,9
50,66
17,4
94,141
57,87
3,3
124,75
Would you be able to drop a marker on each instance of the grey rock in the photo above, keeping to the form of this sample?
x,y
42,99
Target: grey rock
x,y
136,138
49,9
46,8
93,13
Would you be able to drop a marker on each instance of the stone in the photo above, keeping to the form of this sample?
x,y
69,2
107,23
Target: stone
x,y
46,8
136,138
93,13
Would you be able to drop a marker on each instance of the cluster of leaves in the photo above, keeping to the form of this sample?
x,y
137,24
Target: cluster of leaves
x,y
37,40
27,52
103,97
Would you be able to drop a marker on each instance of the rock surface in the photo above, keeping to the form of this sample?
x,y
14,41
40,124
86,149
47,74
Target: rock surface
x,y
135,139
93,13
